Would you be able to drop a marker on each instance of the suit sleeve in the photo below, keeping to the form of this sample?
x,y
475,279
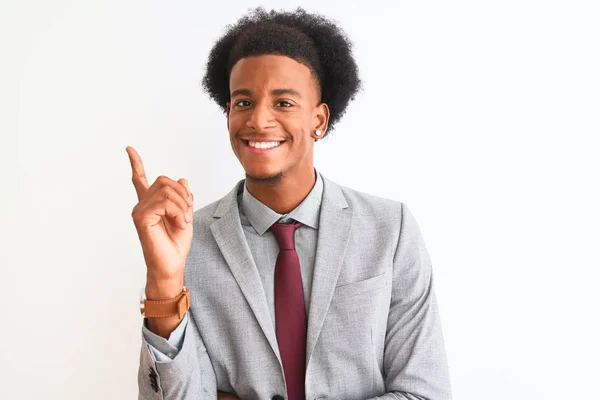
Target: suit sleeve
x,y
415,361
188,375
164,349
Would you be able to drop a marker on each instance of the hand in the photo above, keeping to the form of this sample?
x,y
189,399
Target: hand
x,y
163,218
227,396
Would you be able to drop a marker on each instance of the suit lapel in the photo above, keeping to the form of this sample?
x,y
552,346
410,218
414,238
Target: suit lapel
x,y
227,232
334,231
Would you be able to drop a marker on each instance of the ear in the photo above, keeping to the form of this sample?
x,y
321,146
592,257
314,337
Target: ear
x,y
320,121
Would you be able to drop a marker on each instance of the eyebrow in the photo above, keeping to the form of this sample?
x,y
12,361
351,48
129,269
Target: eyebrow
x,y
274,92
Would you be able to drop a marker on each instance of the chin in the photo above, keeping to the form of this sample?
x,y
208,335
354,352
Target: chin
x,y
262,174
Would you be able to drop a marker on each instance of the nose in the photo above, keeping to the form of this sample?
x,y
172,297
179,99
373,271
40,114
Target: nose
x,y
260,117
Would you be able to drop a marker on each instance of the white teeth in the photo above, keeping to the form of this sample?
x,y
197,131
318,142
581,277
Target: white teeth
x,y
263,145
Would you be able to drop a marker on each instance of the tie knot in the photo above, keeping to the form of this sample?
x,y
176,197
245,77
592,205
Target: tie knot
x,y
284,233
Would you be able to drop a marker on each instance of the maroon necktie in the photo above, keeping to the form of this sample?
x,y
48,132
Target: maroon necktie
x,y
290,315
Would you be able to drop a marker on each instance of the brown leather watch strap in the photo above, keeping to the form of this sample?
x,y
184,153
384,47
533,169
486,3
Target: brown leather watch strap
x,y
168,307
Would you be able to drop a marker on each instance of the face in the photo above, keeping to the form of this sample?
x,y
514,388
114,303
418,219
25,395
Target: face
x,y
272,116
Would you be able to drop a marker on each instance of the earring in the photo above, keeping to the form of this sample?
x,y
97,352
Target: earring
x,y
318,132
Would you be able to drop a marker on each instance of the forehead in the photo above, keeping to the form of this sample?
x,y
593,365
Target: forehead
x,y
268,72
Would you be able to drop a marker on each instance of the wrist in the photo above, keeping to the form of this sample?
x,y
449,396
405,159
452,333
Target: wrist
x,y
162,289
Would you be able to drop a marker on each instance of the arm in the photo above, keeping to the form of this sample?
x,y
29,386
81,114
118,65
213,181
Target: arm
x,y
164,220
414,357
188,375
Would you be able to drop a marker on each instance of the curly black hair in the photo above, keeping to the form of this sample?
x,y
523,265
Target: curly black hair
x,y
309,38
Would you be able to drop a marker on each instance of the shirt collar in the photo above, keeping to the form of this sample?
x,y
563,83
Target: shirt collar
x,y
262,217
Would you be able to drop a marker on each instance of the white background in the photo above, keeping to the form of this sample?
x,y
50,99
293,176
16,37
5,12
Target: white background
x,y
483,117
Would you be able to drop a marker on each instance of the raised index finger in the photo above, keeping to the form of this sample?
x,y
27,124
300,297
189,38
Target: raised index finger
x,y
138,172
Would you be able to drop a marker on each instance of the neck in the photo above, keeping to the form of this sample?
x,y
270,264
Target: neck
x,y
285,195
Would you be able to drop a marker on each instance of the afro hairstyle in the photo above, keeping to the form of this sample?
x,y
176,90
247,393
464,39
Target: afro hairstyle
x,y
308,38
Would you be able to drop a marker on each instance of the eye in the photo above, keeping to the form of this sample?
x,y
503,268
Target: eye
x,y
284,104
242,103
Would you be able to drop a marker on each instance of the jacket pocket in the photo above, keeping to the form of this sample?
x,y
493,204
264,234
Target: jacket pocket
x,y
355,288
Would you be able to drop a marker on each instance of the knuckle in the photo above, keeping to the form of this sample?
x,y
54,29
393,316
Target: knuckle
x,y
135,215
162,179
174,195
167,192
138,177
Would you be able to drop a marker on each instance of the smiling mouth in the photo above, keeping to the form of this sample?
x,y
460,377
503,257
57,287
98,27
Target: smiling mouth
x,y
262,145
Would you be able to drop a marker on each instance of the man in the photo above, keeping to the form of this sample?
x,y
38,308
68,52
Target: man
x,y
299,287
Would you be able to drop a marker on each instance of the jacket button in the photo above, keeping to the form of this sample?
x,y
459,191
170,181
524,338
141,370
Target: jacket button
x,y
277,397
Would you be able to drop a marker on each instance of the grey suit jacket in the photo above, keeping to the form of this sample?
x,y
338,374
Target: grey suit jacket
x,y
373,323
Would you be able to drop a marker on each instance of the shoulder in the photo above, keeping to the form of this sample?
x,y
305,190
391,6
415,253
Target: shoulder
x,y
379,215
203,217
206,212
216,209
366,204
392,218
382,217
390,215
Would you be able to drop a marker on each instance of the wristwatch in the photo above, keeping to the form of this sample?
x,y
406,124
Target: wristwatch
x,y
165,308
